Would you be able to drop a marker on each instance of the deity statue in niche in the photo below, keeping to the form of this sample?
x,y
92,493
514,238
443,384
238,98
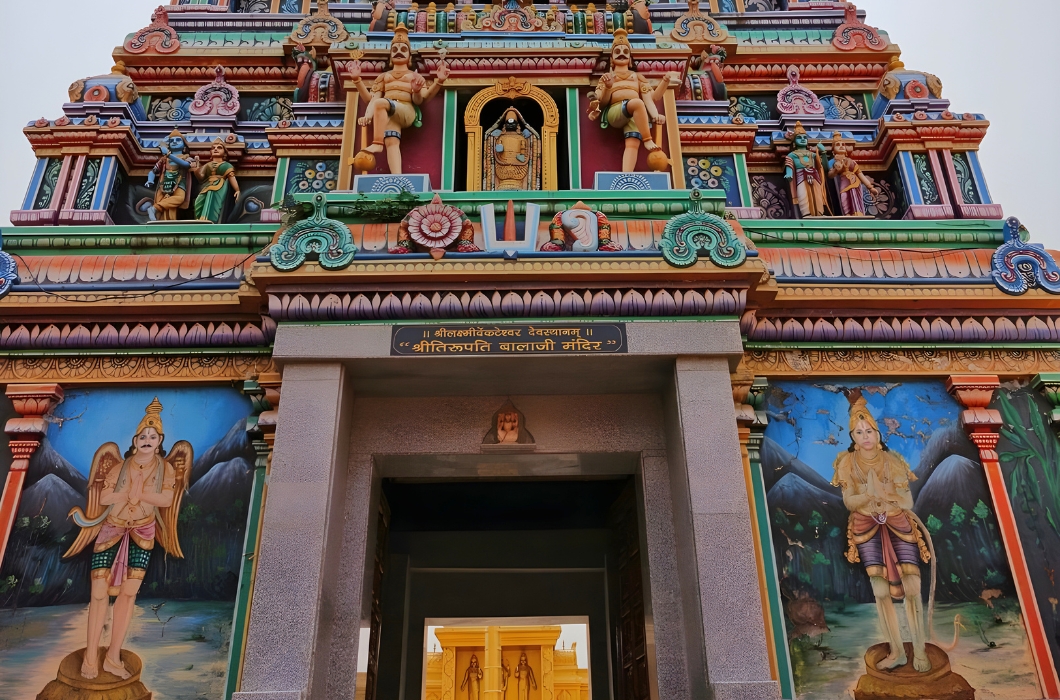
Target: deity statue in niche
x,y
850,182
625,100
132,502
216,175
174,169
506,673
804,170
395,97
509,427
473,679
883,532
512,154
524,676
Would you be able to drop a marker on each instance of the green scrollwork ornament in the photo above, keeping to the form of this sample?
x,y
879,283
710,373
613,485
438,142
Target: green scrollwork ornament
x,y
693,233
318,236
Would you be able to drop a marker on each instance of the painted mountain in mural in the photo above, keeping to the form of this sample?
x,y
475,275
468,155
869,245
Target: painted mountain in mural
x,y
211,526
950,496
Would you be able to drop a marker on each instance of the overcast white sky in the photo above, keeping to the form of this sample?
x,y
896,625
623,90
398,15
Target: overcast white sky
x,y
997,58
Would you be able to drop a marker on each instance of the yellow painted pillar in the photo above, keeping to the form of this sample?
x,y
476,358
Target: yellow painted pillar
x,y
349,140
673,139
492,665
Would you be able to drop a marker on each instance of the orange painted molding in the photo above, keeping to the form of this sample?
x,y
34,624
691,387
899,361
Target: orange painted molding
x,y
983,425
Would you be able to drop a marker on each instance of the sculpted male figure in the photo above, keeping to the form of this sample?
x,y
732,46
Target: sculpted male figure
x,y
394,97
524,676
625,100
473,679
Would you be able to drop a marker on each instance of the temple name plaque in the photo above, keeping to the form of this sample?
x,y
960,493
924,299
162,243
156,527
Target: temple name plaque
x,y
509,339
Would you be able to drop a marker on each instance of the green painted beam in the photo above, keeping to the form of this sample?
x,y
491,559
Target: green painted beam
x,y
574,154
744,179
449,132
950,233
177,237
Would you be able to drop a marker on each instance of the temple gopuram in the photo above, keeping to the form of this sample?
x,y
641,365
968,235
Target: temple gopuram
x,y
628,351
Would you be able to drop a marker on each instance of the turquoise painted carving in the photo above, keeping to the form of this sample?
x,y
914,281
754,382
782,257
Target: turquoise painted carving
x,y
8,271
318,236
693,233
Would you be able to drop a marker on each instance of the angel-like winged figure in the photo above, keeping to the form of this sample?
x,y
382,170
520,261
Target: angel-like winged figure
x,y
132,502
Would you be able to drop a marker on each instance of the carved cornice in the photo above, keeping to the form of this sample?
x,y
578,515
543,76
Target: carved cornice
x,y
112,369
774,75
862,328
885,362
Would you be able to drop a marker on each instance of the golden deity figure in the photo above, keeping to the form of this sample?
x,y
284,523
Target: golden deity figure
x,y
473,679
395,97
132,502
883,533
625,100
524,677
850,181
512,153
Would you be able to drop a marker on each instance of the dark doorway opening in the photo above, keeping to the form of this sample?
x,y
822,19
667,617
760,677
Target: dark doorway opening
x,y
511,549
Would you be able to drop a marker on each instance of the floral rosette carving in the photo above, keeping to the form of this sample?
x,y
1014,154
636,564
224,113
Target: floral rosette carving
x,y
435,226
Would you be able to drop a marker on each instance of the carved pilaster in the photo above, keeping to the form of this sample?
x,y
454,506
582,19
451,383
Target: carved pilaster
x,y
264,394
25,433
983,425
1049,384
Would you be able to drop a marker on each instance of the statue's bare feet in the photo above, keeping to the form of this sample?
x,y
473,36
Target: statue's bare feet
x,y
892,660
650,146
921,662
118,669
375,148
90,670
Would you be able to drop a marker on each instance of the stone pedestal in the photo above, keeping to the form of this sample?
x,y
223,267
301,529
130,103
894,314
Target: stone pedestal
x,y
69,685
906,683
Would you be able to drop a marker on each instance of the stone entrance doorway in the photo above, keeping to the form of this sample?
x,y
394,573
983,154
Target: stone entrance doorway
x,y
513,548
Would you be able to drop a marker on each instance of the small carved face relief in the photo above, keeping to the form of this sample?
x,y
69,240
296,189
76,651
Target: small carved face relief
x,y
176,143
865,436
474,661
620,55
147,441
802,141
217,150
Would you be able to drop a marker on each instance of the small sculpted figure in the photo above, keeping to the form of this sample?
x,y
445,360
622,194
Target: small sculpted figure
x,y
132,502
883,532
851,183
473,679
507,427
625,100
216,175
524,676
506,673
804,170
394,98
174,169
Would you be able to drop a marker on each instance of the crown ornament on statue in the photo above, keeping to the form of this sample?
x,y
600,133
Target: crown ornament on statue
x,y
153,418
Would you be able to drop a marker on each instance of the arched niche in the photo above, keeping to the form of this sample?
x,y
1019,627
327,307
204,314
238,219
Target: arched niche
x,y
511,89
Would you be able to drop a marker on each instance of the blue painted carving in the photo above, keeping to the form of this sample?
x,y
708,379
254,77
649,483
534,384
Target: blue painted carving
x,y
8,271
318,236
693,233
1018,266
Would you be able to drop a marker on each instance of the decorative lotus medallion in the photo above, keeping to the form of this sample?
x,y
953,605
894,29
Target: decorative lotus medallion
x,y
435,225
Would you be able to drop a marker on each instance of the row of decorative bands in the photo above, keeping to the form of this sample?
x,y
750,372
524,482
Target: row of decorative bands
x,y
572,303
139,336
135,368
926,362
1001,329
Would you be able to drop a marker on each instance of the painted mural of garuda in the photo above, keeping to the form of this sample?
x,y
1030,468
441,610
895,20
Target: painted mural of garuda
x,y
133,501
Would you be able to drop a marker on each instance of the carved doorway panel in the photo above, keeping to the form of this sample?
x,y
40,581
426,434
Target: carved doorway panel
x,y
632,649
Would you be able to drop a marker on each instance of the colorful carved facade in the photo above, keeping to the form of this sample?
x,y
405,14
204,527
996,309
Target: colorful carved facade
x,y
771,405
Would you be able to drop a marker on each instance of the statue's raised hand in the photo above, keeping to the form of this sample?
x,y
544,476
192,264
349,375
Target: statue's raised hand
x,y
354,70
442,74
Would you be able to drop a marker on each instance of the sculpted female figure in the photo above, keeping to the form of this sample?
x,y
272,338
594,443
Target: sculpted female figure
x,y
132,501
394,98
883,532
216,175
